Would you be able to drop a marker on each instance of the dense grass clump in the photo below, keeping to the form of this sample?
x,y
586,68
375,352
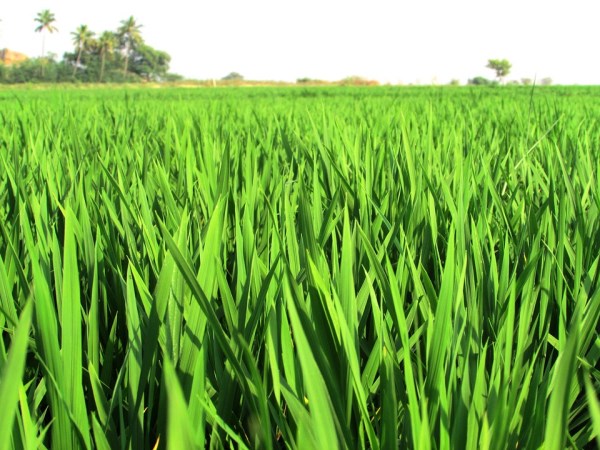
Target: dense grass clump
x,y
310,268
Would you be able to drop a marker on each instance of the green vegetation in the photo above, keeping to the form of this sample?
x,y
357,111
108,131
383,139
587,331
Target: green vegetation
x,y
500,66
120,56
306,268
482,81
45,21
233,76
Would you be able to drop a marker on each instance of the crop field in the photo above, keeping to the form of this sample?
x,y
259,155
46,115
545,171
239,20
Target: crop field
x,y
302,268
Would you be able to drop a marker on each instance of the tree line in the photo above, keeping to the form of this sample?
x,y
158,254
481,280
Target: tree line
x,y
502,67
110,56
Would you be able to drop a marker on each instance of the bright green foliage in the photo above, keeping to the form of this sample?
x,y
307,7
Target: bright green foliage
x,y
300,268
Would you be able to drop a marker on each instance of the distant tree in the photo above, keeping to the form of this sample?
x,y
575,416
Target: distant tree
x,y
29,71
130,36
82,38
546,81
526,81
233,76
500,66
454,82
106,45
481,81
45,20
149,63
120,56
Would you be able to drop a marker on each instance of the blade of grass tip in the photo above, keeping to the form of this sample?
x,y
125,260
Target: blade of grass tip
x,y
11,376
410,166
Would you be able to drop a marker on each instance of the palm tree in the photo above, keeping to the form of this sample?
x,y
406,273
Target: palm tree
x,y
129,33
82,37
106,44
45,20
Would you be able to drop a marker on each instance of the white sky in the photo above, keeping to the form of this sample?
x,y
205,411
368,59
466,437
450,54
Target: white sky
x,y
391,41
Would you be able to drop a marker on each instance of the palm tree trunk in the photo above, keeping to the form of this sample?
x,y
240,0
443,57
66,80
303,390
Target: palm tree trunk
x,y
102,66
126,63
43,52
77,62
126,60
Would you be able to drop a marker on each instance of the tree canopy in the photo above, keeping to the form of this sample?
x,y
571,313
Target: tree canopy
x,y
109,56
130,38
500,66
82,39
233,76
45,20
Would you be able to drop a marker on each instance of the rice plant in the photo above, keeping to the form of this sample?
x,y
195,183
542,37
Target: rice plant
x,y
300,268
